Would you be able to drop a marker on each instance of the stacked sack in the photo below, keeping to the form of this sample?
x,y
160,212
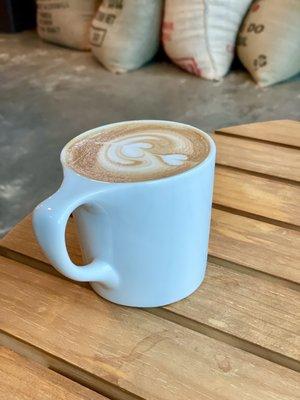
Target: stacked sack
x,y
125,34
269,40
197,35
66,22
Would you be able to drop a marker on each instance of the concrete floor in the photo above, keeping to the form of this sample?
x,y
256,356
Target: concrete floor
x,y
50,94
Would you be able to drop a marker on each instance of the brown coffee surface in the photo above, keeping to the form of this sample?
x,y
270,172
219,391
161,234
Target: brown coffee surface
x,y
136,151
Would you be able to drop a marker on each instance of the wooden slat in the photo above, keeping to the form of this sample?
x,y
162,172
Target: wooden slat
x,y
137,351
257,195
255,244
21,379
238,239
261,157
22,240
234,238
250,308
281,131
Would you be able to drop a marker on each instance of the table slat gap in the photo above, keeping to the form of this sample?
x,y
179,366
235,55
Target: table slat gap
x,y
278,131
61,366
223,264
237,229
256,139
251,319
247,270
37,264
253,243
263,196
256,217
121,329
231,340
257,174
23,378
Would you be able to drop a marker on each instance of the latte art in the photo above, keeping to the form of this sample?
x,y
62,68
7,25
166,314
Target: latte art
x,y
137,152
140,154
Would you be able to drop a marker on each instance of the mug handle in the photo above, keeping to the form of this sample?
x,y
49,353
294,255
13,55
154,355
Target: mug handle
x,y
49,221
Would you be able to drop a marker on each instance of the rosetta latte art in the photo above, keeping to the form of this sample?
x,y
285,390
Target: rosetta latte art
x,y
140,154
137,153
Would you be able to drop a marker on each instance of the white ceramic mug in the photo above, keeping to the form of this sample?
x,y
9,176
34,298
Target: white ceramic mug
x,y
145,243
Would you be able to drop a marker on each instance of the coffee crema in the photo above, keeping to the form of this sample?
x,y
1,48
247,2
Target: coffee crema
x,y
136,151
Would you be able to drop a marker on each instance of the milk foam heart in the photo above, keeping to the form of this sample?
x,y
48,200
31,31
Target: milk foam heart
x,y
174,159
137,151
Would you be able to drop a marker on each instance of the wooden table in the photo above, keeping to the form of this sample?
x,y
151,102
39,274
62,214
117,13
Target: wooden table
x,y
236,338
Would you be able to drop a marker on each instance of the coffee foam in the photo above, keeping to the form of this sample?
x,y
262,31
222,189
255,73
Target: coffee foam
x,y
136,151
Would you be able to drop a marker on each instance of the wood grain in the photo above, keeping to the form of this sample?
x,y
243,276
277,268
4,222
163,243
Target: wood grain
x,y
262,157
22,379
255,244
233,237
22,240
257,195
247,307
157,359
280,131
146,355
238,239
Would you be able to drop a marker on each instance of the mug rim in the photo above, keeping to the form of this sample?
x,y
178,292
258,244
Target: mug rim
x,y
211,154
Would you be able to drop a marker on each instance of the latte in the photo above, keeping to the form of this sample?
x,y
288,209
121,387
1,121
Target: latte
x,y
136,151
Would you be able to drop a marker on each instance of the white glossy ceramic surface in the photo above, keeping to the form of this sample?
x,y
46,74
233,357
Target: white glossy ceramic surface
x,y
145,242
